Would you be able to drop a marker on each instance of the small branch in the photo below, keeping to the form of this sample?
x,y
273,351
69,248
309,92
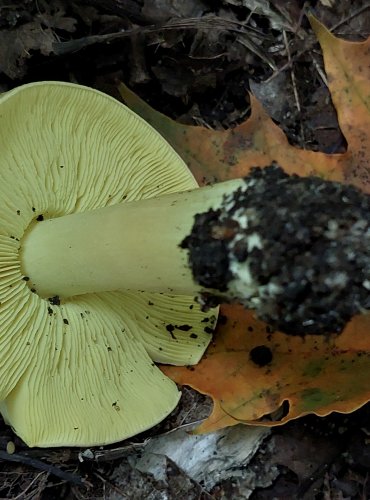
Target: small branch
x,y
350,16
22,495
210,22
38,464
320,71
294,84
112,485
311,45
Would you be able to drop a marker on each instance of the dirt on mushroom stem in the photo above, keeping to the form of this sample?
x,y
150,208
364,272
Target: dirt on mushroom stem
x,y
295,249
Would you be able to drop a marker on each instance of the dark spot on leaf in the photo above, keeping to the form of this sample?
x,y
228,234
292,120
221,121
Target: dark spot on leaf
x,y
65,321
40,218
207,329
25,278
261,355
193,336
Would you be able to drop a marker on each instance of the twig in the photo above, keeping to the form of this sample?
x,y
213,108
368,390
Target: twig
x,y
205,23
310,46
111,454
288,64
248,44
23,493
301,16
105,455
320,71
38,464
294,84
350,16
112,485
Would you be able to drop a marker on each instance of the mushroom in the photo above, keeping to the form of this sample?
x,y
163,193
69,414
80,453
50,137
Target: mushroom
x,y
77,366
105,240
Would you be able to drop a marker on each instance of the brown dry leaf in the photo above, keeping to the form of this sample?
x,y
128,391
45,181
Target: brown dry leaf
x,y
314,374
278,15
16,44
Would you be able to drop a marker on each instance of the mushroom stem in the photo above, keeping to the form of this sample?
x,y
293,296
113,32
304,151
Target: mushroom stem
x,y
129,246
295,249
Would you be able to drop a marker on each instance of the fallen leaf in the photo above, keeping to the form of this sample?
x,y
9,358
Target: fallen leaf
x,y
313,374
220,155
248,371
348,72
215,156
17,44
280,18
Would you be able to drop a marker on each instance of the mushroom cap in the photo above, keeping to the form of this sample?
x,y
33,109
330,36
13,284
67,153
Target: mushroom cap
x,y
80,372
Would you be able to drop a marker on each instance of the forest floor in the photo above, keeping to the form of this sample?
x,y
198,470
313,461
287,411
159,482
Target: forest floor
x,y
195,61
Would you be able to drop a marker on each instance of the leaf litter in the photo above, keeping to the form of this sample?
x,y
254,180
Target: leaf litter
x,y
329,374
191,106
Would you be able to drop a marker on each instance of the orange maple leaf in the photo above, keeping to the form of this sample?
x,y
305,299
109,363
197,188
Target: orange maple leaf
x,y
249,372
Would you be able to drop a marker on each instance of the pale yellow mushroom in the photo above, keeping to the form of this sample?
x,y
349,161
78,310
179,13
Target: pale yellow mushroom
x,y
97,217
79,369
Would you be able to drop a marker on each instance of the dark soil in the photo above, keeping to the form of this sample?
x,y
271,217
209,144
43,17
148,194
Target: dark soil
x,y
290,215
194,60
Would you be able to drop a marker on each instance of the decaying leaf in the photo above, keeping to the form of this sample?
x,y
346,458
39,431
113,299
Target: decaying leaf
x,y
251,371
219,155
347,66
17,44
248,370
279,18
